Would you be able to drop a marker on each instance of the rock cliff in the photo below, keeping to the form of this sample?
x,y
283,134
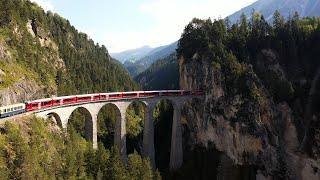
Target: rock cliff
x,y
243,121
17,82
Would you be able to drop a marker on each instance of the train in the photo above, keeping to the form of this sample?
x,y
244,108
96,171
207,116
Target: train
x,y
41,104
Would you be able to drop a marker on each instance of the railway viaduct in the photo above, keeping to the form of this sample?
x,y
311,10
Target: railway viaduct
x,y
62,114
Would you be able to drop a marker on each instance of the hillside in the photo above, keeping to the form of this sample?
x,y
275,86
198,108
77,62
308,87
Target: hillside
x,y
145,62
260,118
265,7
42,54
305,8
35,149
162,74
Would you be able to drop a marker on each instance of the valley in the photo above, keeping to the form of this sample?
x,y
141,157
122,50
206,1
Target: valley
x,y
246,104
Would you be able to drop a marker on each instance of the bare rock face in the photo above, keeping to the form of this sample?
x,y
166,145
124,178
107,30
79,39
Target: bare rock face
x,y
46,42
21,91
4,53
241,119
27,88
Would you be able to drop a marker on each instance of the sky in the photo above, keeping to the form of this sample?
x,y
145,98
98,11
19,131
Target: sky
x,y
128,24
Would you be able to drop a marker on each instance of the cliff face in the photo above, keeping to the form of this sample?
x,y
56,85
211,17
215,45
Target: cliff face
x,y
19,83
243,122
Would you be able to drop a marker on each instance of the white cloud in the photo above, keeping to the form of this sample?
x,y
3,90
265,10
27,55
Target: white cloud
x,y
45,4
170,17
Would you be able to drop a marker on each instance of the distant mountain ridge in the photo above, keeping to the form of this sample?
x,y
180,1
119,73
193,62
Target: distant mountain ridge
x,y
132,55
162,74
142,64
285,7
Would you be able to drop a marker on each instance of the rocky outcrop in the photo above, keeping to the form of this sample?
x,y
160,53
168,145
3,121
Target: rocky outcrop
x,y
241,119
21,91
46,42
19,85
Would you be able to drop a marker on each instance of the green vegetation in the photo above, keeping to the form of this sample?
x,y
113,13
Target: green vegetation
x,y
48,49
255,56
264,65
134,127
34,149
163,74
163,115
292,44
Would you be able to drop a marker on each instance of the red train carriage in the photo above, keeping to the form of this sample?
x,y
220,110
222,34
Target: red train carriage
x,y
150,93
130,94
115,95
104,96
31,106
66,100
83,98
69,100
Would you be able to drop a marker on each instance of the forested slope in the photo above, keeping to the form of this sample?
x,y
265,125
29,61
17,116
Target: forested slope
x,y
42,54
262,97
35,149
163,74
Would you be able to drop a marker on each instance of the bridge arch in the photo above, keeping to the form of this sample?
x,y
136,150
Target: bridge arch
x,y
107,117
91,110
55,117
176,149
83,119
136,115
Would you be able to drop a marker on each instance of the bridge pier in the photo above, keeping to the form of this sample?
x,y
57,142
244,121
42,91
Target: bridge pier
x,y
176,154
148,133
120,130
94,131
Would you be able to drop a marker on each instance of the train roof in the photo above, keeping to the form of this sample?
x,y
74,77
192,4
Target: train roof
x,y
13,105
40,100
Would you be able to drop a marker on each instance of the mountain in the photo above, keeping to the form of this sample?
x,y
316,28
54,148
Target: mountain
x,y
132,55
286,8
43,55
162,74
148,80
143,63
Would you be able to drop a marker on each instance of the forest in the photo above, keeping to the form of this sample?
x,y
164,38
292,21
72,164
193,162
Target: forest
x,y
163,74
65,61
47,49
59,57
261,62
36,149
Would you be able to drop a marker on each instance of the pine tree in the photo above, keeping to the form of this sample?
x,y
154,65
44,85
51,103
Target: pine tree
x,y
278,20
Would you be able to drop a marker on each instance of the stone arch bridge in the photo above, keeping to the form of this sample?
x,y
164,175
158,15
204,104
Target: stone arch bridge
x,y
61,114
